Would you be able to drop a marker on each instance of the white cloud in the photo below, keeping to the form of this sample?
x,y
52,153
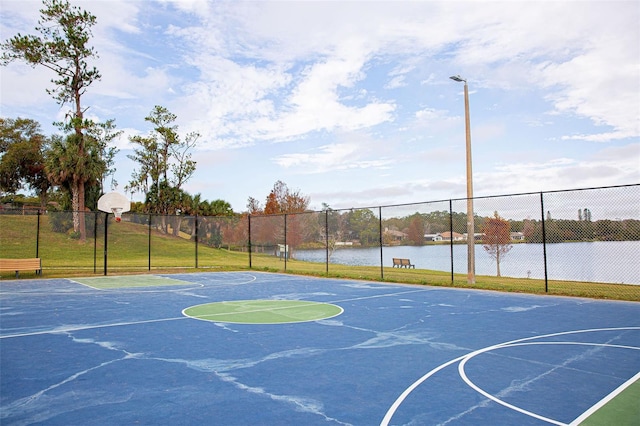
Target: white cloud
x,y
395,82
360,91
330,158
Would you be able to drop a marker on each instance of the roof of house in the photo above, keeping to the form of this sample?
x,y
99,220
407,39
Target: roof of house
x,y
395,233
448,235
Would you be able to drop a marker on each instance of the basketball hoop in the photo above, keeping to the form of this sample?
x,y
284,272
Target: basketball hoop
x,y
117,212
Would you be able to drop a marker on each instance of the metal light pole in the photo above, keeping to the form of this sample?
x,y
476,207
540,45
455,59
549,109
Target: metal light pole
x,y
471,257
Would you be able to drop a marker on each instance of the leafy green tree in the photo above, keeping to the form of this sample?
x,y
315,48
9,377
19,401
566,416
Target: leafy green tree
x,y
220,208
631,229
331,228
62,47
365,224
212,219
164,161
64,165
436,222
552,232
104,134
608,230
22,161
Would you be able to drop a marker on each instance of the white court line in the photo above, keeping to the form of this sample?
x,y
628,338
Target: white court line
x,y
463,374
87,327
253,311
396,404
394,407
140,289
377,296
604,400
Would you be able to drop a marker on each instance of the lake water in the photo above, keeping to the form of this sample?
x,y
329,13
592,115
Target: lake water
x,y
600,261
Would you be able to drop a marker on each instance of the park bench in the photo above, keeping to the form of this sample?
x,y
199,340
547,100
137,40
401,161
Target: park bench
x,y
18,265
403,263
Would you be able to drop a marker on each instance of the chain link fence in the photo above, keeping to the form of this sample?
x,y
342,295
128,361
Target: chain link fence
x,y
581,242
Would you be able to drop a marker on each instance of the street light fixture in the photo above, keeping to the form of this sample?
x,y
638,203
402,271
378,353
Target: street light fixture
x,y
471,258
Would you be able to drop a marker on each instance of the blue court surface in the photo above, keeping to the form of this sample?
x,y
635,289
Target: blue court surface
x,y
121,351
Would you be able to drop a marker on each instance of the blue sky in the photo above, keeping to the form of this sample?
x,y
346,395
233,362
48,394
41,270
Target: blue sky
x,y
351,102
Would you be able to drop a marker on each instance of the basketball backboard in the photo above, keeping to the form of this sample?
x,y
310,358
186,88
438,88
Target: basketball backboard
x,y
114,202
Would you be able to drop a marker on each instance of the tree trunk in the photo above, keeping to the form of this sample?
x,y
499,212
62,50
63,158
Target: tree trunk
x,y
78,180
81,212
177,221
194,229
75,207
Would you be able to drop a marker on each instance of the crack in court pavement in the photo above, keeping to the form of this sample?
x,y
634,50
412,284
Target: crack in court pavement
x,y
221,367
186,293
482,404
397,337
305,405
521,308
44,407
63,329
381,339
41,407
515,386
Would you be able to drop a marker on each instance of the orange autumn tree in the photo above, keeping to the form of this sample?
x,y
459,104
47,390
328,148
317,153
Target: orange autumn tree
x,y
497,238
415,233
280,201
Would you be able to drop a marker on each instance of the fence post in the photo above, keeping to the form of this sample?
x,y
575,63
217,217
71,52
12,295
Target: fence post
x,y
544,245
195,223
380,235
95,242
249,242
149,221
38,235
451,236
286,249
326,240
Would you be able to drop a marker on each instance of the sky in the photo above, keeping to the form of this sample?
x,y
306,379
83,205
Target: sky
x,y
351,103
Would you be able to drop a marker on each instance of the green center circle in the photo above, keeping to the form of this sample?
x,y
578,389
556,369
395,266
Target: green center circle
x,y
263,311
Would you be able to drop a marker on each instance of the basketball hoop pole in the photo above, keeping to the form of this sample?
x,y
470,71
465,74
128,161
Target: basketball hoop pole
x,y
116,203
106,224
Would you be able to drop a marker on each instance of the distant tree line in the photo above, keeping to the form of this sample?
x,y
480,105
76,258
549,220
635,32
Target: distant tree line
x,y
363,225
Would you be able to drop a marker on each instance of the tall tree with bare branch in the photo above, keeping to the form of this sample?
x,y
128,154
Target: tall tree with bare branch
x,y
62,47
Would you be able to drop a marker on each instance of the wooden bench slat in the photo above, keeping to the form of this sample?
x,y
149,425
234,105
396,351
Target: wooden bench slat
x,y
403,263
17,265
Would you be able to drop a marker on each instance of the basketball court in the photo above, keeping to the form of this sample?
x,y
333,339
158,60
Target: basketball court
x,y
239,348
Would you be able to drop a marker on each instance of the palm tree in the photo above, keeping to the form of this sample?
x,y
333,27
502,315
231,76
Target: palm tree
x,y
67,168
63,48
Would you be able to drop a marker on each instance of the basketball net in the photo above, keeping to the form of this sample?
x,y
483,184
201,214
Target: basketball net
x,y
117,212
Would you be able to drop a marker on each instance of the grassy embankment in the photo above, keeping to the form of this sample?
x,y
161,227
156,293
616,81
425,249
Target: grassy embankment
x,y
128,245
